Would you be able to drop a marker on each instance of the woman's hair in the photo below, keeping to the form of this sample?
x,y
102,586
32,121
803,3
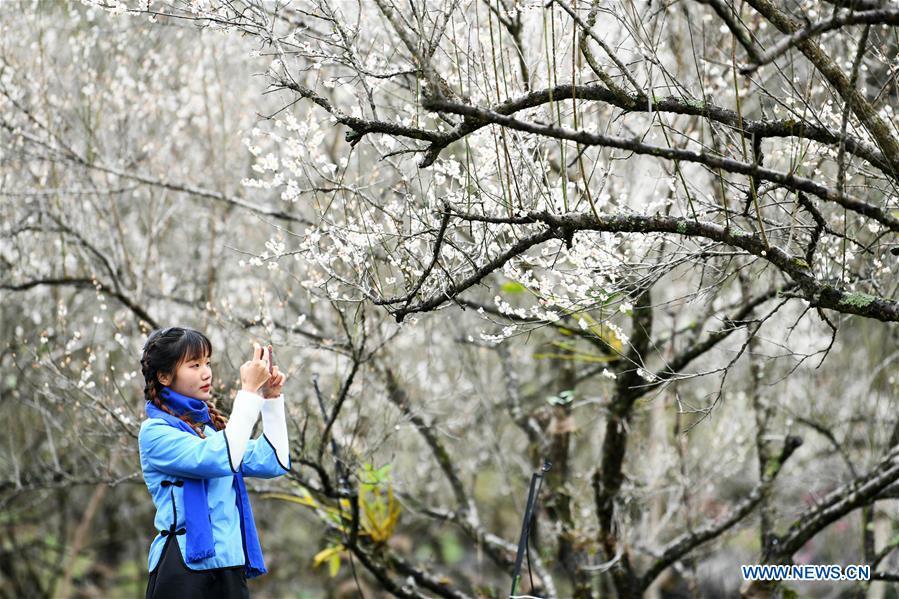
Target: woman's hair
x,y
164,350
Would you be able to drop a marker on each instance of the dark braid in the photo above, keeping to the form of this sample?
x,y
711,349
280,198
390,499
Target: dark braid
x,y
162,353
218,419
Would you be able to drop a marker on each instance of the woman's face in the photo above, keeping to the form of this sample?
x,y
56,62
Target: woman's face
x,y
193,378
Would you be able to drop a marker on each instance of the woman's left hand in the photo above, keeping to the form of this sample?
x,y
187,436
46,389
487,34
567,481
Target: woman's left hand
x,y
272,388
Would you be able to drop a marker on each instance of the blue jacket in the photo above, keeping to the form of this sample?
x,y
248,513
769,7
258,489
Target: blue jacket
x,y
168,454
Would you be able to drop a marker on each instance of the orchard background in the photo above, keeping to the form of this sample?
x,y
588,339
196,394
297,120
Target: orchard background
x,y
652,243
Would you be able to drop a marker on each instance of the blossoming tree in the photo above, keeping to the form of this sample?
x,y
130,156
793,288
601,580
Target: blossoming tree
x,y
663,194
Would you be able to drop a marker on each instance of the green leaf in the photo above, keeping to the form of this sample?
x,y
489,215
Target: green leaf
x,y
513,287
451,550
373,477
331,555
334,565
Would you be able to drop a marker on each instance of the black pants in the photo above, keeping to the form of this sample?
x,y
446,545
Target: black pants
x,y
171,579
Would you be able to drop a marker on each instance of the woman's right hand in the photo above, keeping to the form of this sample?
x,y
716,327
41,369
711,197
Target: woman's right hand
x,y
255,373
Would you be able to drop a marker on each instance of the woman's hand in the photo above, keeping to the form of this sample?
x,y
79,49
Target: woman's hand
x,y
255,373
272,388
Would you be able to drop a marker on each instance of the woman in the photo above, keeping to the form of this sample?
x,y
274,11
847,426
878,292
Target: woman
x,y
194,460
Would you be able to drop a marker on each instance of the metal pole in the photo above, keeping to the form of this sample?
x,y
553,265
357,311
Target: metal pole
x,y
533,491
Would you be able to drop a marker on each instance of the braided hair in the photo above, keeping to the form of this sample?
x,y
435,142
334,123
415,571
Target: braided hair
x,y
164,350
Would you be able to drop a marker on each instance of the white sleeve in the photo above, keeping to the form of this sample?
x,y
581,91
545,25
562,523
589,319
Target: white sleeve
x,y
274,427
240,425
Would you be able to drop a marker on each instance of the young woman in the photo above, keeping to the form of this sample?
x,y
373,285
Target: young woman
x,y
194,461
